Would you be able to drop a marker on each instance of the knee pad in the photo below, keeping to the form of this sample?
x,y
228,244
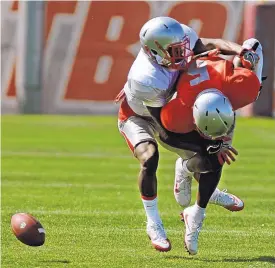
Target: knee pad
x,y
149,157
151,163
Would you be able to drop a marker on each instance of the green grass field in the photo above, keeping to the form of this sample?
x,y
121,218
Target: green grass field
x,y
77,176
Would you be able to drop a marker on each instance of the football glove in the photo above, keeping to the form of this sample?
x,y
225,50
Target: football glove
x,y
215,147
249,58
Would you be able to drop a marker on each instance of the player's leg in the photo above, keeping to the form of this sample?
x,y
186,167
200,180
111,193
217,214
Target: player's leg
x,y
139,135
199,164
182,183
148,156
210,171
193,216
185,169
224,199
183,177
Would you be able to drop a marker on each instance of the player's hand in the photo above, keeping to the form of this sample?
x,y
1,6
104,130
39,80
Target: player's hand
x,y
249,59
214,148
227,154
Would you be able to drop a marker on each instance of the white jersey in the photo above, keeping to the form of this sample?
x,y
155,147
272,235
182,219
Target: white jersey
x,y
150,84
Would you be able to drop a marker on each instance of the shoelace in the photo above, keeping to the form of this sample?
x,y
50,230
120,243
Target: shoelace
x,y
194,234
159,232
184,183
224,198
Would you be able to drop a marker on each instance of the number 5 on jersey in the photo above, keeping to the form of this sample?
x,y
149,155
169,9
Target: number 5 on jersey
x,y
200,71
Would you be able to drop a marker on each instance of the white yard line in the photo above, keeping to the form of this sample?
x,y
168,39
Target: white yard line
x,y
66,154
107,184
57,154
117,212
23,184
90,175
53,172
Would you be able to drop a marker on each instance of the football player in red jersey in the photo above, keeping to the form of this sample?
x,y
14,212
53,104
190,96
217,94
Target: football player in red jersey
x,y
204,109
240,85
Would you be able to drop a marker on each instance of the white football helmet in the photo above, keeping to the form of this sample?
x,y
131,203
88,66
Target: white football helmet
x,y
165,42
213,114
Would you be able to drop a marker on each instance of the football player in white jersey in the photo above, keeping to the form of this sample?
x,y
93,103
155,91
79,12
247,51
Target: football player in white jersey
x,y
167,47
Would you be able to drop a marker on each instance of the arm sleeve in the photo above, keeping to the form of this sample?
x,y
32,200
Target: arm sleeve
x,y
177,117
150,96
242,87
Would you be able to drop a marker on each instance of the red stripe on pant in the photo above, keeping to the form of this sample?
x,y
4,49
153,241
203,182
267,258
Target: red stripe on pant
x,y
130,145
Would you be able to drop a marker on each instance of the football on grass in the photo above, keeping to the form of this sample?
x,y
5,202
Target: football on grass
x,y
28,229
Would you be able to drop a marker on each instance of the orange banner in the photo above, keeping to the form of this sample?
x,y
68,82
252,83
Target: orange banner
x,y
90,46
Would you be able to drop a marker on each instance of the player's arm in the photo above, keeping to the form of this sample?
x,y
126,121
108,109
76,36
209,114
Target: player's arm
x,y
224,46
189,140
155,115
154,99
181,141
242,87
201,45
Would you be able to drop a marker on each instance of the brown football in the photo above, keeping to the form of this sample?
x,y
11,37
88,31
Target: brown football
x,y
28,229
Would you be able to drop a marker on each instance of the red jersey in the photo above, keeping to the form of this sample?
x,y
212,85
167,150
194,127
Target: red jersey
x,y
241,86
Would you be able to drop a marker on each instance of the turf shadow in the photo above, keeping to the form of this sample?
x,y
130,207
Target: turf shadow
x,y
269,259
259,259
57,261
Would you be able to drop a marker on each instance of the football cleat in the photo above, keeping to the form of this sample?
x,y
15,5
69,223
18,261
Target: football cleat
x,y
157,235
227,200
182,185
193,224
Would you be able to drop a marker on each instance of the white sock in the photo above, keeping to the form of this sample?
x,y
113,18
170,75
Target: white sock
x,y
214,195
151,209
199,212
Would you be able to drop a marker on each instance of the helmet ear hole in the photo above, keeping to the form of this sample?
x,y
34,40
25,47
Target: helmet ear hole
x,y
154,51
